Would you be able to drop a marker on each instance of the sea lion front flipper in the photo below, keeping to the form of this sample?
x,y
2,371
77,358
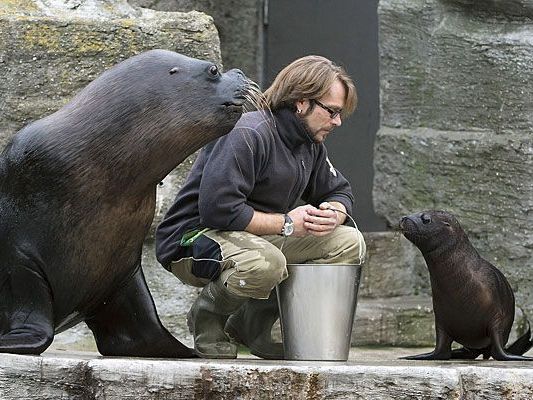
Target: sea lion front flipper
x,y
127,325
26,315
442,348
423,356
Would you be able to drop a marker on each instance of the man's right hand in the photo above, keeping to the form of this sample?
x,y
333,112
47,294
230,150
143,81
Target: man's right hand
x,y
299,217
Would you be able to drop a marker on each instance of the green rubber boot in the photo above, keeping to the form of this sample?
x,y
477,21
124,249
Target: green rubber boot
x,y
252,326
207,318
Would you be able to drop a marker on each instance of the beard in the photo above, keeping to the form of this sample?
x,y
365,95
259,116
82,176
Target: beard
x,y
313,135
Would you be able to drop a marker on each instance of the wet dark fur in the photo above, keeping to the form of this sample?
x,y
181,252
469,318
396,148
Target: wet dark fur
x,y
77,195
472,300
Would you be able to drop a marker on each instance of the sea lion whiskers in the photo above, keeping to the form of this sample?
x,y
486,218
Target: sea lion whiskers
x,y
255,100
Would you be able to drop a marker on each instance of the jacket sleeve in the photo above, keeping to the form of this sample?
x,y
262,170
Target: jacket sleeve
x,y
228,178
328,184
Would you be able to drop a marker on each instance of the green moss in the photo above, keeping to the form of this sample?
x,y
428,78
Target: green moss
x,y
10,7
42,35
88,42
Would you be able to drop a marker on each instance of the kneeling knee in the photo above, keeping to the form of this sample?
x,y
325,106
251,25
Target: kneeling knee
x,y
259,277
275,269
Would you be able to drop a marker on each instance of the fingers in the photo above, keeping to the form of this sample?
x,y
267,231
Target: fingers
x,y
320,221
309,220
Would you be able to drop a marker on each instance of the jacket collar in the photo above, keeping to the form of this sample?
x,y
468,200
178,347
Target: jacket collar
x,y
291,129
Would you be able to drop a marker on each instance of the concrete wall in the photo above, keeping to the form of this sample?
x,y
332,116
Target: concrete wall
x,y
457,121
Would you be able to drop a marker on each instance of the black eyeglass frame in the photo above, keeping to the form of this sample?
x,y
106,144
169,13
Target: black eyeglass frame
x,y
332,113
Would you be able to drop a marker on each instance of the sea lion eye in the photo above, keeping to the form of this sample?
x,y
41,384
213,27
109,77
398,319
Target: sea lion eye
x,y
173,70
426,219
213,70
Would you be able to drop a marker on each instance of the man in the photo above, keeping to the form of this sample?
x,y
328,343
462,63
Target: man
x,y
236,224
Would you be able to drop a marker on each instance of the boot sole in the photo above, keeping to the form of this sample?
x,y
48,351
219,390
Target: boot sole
x,y
215,356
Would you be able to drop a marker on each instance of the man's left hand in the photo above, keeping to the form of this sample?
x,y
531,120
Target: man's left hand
x,y
321,221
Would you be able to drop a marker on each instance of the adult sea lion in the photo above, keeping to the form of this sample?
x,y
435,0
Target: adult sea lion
x,y
472,300
77,197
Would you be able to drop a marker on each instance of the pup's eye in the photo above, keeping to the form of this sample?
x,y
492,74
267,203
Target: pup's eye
x,y
426,219
213,70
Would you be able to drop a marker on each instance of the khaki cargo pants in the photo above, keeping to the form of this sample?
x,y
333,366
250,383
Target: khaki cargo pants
x,y
252,266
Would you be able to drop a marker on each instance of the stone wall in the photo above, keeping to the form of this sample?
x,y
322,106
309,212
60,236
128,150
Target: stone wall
x,y
457,121
239,23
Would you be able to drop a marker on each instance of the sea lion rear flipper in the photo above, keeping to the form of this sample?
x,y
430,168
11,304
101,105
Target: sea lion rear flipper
x,y
522,344
128,325
26,315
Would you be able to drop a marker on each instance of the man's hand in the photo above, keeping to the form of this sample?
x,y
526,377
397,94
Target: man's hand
x,y
321,221
309,220
298,216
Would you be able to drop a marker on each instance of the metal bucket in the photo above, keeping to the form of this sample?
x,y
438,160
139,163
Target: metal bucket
x,y
317,304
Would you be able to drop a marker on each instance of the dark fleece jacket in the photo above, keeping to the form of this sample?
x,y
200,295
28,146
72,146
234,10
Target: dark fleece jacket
x,y
268,163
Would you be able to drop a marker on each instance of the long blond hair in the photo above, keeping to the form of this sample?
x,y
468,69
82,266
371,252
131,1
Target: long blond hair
x,y
309,77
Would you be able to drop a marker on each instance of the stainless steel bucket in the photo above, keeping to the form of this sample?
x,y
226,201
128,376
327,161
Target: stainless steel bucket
x,y
317,305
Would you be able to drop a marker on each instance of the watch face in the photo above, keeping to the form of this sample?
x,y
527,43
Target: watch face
x,y
289,229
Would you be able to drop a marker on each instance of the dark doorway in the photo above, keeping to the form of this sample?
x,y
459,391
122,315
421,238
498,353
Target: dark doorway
x,y
345,31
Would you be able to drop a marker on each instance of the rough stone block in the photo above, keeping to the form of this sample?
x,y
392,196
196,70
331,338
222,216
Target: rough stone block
x,y
239,27
394,267
82,376
446,68
520,8
400,321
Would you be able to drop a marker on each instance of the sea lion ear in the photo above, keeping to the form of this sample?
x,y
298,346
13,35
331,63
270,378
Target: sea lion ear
x,y
173,70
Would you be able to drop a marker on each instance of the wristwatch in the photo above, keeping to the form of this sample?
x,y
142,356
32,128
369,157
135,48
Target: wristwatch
x,y
288,226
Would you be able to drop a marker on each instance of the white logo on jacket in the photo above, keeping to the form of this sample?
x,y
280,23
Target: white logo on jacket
x,y
331,167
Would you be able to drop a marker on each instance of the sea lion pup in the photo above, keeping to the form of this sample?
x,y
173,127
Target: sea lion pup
x,y
77,197
472,301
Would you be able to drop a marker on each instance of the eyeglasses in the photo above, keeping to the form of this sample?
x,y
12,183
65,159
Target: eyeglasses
x,y
332,113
